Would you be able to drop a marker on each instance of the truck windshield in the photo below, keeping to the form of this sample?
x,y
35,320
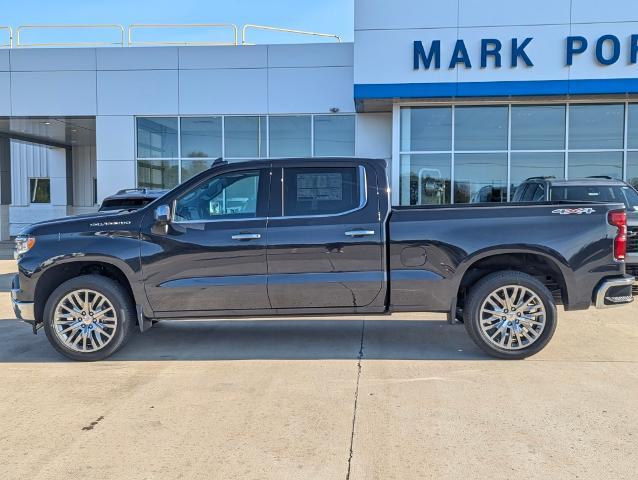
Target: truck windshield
x,y
613,194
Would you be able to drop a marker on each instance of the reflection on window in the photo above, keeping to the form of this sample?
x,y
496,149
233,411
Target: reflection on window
x,y
592,164
426,179
157,137
525,165
480,178
632,126
334,135
320,190
538,127
426,129
160,174
201,137
596,126
190,168
290,136
245,137
40,190
480,128
632,168
227,196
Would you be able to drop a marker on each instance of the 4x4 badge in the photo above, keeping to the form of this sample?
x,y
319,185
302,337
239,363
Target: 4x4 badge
x,y
574,211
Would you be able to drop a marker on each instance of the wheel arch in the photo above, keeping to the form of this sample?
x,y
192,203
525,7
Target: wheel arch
x,y
62,271
548,267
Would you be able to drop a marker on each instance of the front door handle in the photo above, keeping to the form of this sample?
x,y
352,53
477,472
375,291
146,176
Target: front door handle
x,y
246,236
359,233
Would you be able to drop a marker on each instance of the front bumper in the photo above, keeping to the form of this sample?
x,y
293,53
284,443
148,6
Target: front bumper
x,y
615,292
23,310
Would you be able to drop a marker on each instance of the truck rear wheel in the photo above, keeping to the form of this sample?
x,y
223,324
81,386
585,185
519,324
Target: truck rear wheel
x,y
89,318
510,315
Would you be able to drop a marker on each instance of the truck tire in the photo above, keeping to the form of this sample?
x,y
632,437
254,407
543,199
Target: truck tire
x,y
510,315
89,318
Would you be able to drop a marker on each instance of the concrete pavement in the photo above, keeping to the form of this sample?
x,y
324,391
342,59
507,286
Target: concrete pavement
x,y
276,399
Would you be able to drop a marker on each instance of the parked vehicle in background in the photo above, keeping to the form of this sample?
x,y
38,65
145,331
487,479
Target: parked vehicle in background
x,y
130,199
590,189
317,237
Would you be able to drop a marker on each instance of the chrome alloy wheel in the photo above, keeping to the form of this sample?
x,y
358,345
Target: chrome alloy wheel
x,y
512,317
85,321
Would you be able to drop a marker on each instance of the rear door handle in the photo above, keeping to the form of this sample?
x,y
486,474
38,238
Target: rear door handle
x,y
246,236
359,233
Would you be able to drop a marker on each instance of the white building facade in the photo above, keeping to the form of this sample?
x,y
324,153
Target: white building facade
x,y
464,99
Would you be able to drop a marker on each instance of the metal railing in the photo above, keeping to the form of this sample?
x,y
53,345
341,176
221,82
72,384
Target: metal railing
x,y
126,37
230,26
10,30
22,28
249,26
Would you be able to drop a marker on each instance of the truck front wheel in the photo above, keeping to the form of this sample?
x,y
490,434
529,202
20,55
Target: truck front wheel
x,y
510,315
88,317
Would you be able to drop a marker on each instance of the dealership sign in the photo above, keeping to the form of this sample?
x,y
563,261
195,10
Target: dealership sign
x,y
494,52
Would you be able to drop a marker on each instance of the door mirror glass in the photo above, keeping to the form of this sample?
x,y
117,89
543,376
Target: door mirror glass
x,y
163,214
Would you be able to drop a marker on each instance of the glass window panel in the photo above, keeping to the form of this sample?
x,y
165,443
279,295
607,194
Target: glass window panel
x,y
320,190
589,164
480,128
156,137
245,137
426,129
201,137
425,179
596,126
632,168
157,173
290,136
632,126
540,127
480,177
40,190
190,168
334,135
525,165
229,195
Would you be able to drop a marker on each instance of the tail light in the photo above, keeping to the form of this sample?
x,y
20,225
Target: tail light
x,y
618,218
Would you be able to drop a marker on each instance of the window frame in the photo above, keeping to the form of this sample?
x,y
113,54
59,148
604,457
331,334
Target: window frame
x,y
398,152
31,202
180,158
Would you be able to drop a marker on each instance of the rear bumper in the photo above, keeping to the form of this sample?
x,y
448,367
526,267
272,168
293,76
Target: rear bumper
x,y
23,310
615,292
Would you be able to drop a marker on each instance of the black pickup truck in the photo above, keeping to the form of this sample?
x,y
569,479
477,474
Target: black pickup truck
x,y
317,237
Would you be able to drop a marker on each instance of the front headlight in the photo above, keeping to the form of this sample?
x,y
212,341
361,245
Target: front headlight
x,y
23,245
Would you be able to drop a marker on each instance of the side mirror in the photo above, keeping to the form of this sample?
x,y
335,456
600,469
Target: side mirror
x,y
163,214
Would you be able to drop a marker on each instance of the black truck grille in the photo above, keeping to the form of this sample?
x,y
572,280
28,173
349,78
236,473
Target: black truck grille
x,y
632,240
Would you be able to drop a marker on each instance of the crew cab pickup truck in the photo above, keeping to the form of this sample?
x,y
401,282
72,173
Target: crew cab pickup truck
x,y
317,237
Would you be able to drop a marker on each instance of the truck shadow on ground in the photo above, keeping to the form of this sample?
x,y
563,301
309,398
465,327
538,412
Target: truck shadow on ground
x,y
266,340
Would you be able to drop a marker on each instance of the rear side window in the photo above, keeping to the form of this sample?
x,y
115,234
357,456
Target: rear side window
x,y
321,190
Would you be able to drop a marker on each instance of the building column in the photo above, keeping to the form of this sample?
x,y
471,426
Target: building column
x,y
115,154
5,186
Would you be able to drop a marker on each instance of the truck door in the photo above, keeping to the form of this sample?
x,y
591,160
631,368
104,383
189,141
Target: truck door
x,y
325,245
212,255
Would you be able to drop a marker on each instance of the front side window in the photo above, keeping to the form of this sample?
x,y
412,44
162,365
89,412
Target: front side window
x,y
227,196
40,190
321,190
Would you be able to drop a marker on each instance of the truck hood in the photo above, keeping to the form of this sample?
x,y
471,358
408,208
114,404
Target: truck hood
x,y
115,221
